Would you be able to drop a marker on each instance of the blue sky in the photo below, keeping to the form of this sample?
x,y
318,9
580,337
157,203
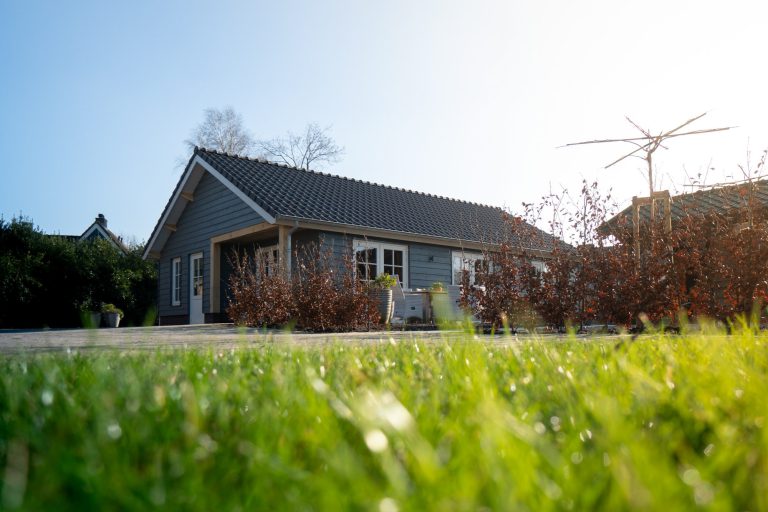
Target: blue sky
x,y
462,99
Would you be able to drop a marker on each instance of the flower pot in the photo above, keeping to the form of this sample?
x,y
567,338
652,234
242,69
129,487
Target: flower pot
x,y
93,320
112,319
383,300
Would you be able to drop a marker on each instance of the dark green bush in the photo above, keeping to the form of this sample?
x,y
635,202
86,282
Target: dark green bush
x,y
47,281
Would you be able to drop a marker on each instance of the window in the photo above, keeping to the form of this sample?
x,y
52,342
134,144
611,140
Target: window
x,y
375,258
269,257
469,262
365,259
176,282
393,263
197,277
539,267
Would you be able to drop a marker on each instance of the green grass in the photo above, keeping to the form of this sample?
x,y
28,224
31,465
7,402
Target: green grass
x,y
662,423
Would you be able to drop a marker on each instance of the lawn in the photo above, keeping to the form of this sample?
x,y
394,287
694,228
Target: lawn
x,y
661,423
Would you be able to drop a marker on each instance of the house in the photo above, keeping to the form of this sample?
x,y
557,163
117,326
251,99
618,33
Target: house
x,y
731,201
98,231
224,201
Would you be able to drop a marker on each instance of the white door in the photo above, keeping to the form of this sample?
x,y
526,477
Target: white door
x,y
196,289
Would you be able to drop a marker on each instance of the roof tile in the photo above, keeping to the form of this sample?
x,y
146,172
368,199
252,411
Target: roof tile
x,y
291,192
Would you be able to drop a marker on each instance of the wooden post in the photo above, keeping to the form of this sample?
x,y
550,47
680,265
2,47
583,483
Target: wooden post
x,y
637,202
285,256
215,288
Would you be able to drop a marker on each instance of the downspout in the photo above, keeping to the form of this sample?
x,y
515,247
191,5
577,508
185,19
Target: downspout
x,y
289,248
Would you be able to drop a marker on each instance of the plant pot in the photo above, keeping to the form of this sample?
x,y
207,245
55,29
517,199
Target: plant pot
x,y
112,319
383,300
90,319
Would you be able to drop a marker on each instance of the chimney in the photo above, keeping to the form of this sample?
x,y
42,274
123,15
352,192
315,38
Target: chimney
x,y
102,220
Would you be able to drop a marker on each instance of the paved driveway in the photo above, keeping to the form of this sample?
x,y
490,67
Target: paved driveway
x,y
185,336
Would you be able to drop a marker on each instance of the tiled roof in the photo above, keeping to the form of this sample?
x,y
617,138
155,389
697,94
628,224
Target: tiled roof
x,y
715,200
291,193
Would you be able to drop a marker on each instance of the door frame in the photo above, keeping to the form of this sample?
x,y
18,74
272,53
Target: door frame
x,y
196,317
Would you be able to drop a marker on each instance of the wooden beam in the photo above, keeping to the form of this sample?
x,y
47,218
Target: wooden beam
x,y
285,257
189,196
250,230
348,229
170,227
215,288
399,237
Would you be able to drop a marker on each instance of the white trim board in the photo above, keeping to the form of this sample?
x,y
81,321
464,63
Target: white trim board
x,y
96,227
169,207
239,193
181,189
105,235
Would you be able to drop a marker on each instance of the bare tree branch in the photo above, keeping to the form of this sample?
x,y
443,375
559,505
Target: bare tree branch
x,y
222,130
314,146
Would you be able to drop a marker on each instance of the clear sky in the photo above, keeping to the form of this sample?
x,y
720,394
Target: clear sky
x,y
462,99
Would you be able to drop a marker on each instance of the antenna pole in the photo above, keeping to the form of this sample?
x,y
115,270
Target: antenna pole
x,y
648,144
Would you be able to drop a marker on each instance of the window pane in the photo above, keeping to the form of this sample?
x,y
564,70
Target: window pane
x,y
388,256
197,279
176,298
398,258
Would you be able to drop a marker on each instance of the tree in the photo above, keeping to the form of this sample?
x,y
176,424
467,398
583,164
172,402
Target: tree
x,y
301,151
222,130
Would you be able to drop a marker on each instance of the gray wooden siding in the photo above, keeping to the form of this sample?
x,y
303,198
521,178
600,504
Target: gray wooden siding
x,y
422,272
214,211
339,245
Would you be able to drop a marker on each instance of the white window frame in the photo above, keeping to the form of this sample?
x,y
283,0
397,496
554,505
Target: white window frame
x,y
176,281
467,262
539,266
270,254
195,279
380,247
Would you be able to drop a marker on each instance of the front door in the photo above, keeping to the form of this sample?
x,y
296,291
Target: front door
x,y
196,289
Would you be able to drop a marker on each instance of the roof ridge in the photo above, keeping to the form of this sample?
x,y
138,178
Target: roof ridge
x,y
723,186
338,176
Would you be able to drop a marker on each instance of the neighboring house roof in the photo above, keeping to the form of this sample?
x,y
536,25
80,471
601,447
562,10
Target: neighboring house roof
x,y
718,200
99,230
281,193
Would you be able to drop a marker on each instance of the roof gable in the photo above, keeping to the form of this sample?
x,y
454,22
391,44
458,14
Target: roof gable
x,y
97,229
184,193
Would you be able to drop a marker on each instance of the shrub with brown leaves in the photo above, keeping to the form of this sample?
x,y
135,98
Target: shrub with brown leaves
x,y
258,298
322,294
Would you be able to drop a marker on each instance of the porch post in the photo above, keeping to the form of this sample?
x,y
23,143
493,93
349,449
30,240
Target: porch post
x,y
284,248
215,306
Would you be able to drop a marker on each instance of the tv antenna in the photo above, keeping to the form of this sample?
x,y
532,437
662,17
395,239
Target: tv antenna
x,y
647,146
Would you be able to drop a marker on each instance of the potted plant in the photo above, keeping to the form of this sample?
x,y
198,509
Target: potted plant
x,y
437,286
90,317
112,314
381,291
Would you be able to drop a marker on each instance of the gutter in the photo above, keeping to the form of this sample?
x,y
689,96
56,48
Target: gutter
x,y
403,236
289,247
